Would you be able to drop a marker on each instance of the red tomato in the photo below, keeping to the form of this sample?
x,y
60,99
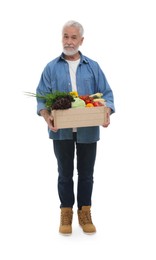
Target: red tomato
x,y
87,101
97,104
84,97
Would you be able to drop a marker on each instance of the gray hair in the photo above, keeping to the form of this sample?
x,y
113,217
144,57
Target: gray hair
x,y
74,24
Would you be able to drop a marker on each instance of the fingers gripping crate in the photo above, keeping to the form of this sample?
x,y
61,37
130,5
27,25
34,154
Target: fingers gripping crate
x,y
79,117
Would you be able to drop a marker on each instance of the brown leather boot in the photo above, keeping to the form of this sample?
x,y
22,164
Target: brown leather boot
x,y
66,221
85,220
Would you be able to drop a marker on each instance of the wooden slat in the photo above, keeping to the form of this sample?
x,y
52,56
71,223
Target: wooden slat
x,y
79,117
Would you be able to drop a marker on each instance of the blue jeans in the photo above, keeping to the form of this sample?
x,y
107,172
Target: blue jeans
x,y
86,154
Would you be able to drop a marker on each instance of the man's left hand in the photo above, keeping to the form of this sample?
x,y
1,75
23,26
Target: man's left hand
x,y
107,122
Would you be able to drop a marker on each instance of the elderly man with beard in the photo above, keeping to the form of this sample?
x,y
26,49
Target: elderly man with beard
x,y
72,71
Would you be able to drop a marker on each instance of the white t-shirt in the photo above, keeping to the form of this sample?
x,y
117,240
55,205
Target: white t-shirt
x,y
72,70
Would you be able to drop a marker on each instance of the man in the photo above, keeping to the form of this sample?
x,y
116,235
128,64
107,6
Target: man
x,y
72,71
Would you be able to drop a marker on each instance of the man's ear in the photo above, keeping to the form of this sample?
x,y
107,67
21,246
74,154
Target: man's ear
x,y
82,40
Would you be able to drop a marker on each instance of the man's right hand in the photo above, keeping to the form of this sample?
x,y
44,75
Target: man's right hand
x,y
49,119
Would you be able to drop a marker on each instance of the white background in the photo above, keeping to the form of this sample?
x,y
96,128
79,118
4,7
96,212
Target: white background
x,y
120,35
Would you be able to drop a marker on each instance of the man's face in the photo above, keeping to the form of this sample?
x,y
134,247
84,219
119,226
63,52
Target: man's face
x,y
71,40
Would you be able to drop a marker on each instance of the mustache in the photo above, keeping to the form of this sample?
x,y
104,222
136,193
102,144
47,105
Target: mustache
x,y
68,46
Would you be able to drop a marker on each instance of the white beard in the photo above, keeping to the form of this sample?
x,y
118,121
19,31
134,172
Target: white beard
x,y
70,52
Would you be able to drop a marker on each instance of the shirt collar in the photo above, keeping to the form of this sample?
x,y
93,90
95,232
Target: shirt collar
x,y
82,58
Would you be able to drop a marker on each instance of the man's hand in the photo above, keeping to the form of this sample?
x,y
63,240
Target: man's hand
x,y
49,119
108,112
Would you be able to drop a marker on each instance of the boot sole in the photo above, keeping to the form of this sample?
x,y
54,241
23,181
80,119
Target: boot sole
x,y
87,233
65,234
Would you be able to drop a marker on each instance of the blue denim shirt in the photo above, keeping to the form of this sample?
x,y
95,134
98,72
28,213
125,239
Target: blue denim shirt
x,y
90,79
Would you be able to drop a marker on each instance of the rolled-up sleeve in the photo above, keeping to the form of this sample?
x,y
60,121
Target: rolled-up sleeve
x,y
43,88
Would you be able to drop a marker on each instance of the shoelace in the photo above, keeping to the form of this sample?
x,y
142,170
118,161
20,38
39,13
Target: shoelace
x,y
86,217
66,218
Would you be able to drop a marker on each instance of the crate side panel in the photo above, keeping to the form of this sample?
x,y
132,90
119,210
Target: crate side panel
x,y
79,117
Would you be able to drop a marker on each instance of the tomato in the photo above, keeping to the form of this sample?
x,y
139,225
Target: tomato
x,y
97,104
100,104
84,97
87,101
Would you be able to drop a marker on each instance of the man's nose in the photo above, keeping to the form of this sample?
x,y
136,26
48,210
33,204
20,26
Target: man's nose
x,y
69,41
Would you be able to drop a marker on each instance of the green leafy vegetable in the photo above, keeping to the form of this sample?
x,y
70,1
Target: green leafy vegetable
x,y
55,100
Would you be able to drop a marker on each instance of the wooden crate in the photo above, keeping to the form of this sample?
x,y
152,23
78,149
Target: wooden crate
x,y
79,117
